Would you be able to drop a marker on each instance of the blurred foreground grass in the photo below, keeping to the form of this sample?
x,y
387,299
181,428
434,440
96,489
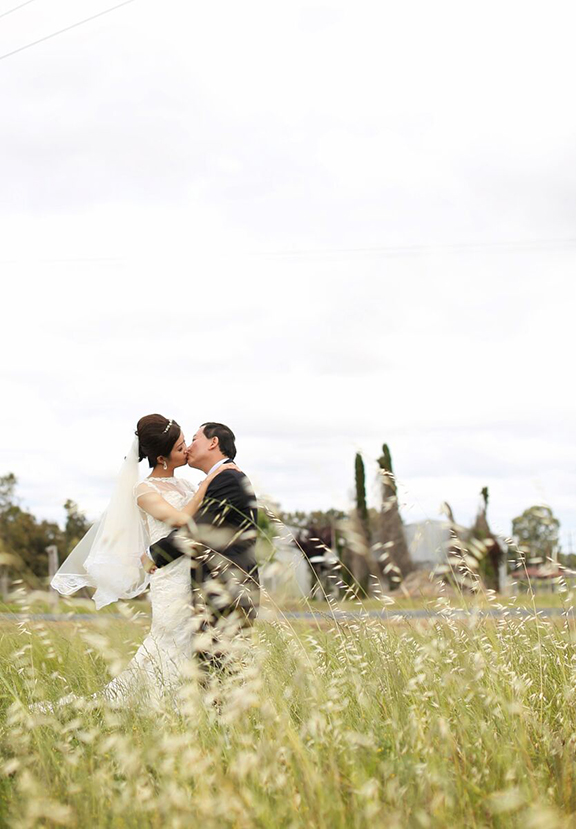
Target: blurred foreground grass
x,y
446,723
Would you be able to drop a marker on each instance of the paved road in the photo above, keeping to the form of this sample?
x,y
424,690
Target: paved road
x,y
339,615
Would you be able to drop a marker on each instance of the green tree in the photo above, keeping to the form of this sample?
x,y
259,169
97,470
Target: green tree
x,y
360,531
360,478
392,529
22,537
537,530
7,491
317,519
75,528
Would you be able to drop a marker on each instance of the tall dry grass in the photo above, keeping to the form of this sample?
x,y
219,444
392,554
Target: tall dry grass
x,y
443,723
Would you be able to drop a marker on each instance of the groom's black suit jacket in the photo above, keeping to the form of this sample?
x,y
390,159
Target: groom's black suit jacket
x,y
225,531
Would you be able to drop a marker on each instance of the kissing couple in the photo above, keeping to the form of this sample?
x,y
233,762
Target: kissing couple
x,y
194,547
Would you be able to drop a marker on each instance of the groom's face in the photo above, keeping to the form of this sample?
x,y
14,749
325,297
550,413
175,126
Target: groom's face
x,y
199,449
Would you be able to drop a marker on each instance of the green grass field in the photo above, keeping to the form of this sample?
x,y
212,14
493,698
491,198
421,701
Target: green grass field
x,y
41,603
446,723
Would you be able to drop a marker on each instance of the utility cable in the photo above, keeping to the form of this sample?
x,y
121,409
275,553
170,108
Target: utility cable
x,y
61,31
15,9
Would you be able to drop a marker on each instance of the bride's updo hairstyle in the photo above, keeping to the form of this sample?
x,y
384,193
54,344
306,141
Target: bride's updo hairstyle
x,y
156,437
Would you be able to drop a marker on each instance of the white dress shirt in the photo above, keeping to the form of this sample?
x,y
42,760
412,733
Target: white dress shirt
x,y
216,465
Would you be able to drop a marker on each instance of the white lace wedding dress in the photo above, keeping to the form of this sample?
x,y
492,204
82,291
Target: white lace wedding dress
x,y
155,670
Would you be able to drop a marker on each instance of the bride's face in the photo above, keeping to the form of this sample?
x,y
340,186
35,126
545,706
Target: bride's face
x,y
178,454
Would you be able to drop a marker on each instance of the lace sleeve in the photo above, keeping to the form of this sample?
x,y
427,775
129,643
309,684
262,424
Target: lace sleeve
x,y
144,488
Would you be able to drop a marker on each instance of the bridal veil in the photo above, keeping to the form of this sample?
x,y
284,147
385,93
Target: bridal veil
x,y
109,557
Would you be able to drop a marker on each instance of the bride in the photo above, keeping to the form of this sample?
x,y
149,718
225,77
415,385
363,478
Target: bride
x,y
114,558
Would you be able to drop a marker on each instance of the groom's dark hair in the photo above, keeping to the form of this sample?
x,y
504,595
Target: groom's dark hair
x,y
226,438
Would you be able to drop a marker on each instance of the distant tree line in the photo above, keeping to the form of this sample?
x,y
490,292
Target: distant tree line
x,y
24,538
363,550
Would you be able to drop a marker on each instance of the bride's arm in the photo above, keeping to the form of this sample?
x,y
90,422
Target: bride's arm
x,y
191,508
157,506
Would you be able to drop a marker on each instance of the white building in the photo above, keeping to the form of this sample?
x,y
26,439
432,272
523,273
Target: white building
x,y
428,542
288,575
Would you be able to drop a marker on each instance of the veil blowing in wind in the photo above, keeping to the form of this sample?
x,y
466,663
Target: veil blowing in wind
x,y
110,556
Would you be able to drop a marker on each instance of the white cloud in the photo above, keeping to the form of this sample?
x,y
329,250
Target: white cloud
x,y
179,191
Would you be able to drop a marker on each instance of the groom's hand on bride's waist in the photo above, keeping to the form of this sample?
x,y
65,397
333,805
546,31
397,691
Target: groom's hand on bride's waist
x,y
180,542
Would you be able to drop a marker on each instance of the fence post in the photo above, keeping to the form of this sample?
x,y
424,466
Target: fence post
x,y
4,583
52,551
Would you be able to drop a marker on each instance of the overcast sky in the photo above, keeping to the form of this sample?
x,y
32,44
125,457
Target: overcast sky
x,y
328,225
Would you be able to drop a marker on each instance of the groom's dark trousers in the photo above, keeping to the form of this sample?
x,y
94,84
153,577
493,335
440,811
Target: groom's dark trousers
x,y
221,544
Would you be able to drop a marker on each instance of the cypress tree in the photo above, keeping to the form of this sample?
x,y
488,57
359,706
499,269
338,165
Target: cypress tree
x,y
361,489
362,558
392,529
385,464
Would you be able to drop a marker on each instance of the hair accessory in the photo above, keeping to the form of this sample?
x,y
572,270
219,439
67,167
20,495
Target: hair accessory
x,y
168,427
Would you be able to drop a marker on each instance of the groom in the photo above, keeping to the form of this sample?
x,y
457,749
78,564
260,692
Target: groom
x,y
221,541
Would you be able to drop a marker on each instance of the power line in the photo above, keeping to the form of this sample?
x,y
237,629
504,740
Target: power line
x,y
15,9
398,250
513,246
61,31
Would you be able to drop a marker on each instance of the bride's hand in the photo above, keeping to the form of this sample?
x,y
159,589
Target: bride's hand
x,y
223,468
148,564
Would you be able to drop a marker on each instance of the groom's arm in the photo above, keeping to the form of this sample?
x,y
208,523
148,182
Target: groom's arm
x,y
225,508
165,550
180,542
